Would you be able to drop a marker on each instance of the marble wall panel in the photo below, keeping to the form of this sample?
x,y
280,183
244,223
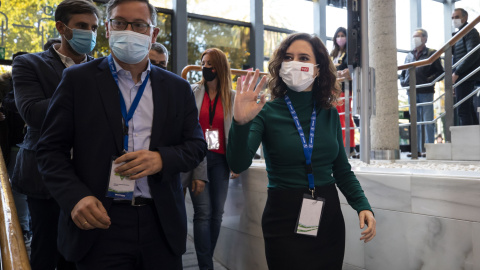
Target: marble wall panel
x,y
387,191
354,248
476,245
409,241
457,198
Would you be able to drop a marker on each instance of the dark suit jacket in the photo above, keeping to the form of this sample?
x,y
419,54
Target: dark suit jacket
x,y
85,114
35,78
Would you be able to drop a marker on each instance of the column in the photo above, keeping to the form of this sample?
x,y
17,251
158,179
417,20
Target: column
x,y
320,19
383,58
257,42
179,31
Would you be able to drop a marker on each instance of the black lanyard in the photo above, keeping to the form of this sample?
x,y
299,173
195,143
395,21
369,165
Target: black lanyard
x,y
211,111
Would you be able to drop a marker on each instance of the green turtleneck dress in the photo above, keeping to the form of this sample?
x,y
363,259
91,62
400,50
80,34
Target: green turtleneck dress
x,y
283,150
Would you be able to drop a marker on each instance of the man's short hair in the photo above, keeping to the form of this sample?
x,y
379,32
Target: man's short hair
x,y
50,42
67,8
463,11
158,47
423,31
113,3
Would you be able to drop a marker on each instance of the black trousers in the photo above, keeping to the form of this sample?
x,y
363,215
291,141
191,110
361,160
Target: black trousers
x,y
134,240
467,115
285,249
45,255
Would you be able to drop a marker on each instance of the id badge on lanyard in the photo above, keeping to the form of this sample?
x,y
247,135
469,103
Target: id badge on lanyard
x,y
310,215
211,137
119,187
212,134
311,210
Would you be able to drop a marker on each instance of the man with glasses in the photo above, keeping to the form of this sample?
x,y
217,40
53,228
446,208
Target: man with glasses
x,y
132,128
35,78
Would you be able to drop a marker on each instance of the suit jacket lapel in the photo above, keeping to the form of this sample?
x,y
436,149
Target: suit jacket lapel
x,y
160,106
111,102
55,62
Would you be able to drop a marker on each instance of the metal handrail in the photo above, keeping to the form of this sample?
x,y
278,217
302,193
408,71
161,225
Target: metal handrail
x,y
14,253
199,68
443,113
443,74
447,45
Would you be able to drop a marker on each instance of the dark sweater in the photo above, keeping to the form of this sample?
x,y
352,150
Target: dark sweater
x,y
284,157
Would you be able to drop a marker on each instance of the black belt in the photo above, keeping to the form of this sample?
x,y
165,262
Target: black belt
x,y
137,201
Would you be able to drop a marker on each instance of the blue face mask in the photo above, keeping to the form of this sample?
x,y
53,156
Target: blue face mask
x,y
128,46
83,41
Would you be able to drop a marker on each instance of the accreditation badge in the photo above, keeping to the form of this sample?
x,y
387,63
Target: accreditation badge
x,y
211,136
119,187
310,215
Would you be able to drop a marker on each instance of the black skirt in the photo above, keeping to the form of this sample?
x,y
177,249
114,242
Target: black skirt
x,y
285,249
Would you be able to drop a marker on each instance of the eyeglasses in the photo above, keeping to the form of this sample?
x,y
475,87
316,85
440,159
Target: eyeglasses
x,y
139,27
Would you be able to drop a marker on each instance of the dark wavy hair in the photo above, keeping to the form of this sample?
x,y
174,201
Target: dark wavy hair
x,y
325,88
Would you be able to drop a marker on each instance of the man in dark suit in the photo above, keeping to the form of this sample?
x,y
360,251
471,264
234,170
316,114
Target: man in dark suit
x,y
91,112
35,78
467,115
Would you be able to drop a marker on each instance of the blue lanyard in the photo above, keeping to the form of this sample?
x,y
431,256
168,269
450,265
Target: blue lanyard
x,y
127,116
307,147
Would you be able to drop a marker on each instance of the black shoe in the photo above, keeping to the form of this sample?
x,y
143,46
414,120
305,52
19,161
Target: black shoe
x,y
419,155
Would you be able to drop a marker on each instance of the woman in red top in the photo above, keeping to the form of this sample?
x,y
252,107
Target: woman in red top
x,y
214,99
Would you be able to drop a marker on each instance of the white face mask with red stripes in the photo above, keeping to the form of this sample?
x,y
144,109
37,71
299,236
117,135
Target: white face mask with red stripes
x,y
298,76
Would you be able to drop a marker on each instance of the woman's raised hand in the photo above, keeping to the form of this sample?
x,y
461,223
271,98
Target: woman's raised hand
x,y
246,105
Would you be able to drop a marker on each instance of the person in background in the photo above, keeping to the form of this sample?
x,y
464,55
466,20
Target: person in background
x,y
303,226
128,124
158,55
339,58
50,42
424,75
214,98
15,132
35,79
466,112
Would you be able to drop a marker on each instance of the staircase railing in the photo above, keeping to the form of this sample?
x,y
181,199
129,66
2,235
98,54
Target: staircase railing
x,y
14,253
449,105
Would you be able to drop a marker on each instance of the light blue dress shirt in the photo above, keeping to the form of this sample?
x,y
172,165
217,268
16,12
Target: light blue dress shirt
x,y
140,126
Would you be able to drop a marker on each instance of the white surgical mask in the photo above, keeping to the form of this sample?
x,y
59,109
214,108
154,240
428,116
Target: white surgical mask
x,y
416,42
297,76
457,23
128,46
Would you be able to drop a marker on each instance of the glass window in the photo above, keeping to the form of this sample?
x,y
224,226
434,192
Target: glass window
x,y
290,14
404,36
271,42
336,17
164,23
472,7
433,23
162,3
26,25
238,10
233,40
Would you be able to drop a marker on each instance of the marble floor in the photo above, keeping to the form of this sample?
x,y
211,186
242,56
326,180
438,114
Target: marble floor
x,y
190,258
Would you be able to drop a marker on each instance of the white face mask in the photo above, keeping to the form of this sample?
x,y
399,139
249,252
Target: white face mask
x,y
416,42
297,76
128,46
457,23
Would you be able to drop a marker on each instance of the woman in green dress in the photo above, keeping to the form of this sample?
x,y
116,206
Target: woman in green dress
x,y
304,156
